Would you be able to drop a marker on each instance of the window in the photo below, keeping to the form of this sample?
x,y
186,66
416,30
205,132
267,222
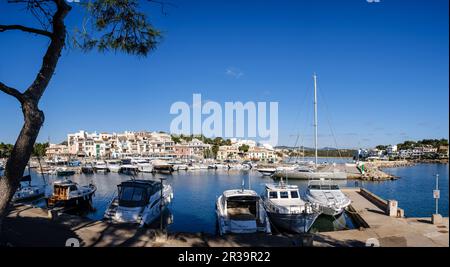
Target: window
x,y
284,194
294,194
273,194
131,194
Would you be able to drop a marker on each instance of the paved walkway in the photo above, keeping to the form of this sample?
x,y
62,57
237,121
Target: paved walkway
x,y
390,231
29,226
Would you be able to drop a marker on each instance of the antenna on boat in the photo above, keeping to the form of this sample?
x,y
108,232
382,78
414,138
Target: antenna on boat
x,y
243,184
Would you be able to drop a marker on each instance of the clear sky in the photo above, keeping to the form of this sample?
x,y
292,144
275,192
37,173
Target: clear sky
x,y
382,69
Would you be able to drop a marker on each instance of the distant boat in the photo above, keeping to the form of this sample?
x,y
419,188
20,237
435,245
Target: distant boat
x,y
241,211
143,165
101,167
128,169
328,196
267,171
162,167
87,168
305,172
139,202
113,165
64,172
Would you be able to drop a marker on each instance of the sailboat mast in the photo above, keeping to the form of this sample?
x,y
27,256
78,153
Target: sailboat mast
x,y
315,117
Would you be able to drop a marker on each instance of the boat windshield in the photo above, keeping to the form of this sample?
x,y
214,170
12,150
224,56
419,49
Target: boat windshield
x,y
323,187
130,196
283,194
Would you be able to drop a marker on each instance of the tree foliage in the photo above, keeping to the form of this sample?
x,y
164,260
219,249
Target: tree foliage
x,y
436,143
116,25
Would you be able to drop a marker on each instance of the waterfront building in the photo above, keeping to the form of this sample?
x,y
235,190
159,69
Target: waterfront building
x,y
228,153
261,154
127,144
55,150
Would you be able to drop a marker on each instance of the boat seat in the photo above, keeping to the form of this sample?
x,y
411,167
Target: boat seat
x,y
240,214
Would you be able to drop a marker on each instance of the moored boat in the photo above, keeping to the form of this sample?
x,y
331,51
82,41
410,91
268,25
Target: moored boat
x,y
327,195
70,194
286,210
101,167
64,172
267,171
27,192
87,168
113,165
139,202
241,211
128,169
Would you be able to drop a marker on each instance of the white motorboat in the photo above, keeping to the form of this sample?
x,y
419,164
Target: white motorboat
x,y
68,193
113,165
286,210
139,202
308,173
267,171
128,169
143,165
241,211
328,196
100,166
180,167
27,191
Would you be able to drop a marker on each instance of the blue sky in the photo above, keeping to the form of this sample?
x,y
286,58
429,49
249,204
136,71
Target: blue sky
x,y
382,69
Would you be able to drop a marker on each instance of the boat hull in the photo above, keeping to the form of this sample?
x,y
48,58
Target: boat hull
x,y
294,223
311,175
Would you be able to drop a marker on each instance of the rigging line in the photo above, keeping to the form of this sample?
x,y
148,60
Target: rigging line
x,y
299,113
296,120
329,123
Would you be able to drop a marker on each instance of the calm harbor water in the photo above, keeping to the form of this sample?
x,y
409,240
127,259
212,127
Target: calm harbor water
x,y
195,192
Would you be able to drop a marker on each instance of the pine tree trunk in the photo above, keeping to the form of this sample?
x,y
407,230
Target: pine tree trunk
x,y
15,166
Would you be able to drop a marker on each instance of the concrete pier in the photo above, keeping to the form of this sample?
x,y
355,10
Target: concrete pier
x,y
388,231
380,226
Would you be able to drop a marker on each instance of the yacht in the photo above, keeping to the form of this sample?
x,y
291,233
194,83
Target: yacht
x,y
180,167
328,196
113,165
313,172
143,165
241,211
139,202
100,166
64,172
286,210
27,191
87,168
162,167
128,169
308,173
267,171
68,193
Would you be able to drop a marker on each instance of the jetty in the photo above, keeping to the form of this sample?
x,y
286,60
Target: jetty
x,y
380,223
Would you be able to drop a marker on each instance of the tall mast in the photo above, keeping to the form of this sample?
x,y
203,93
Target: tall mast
x,y
315,117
